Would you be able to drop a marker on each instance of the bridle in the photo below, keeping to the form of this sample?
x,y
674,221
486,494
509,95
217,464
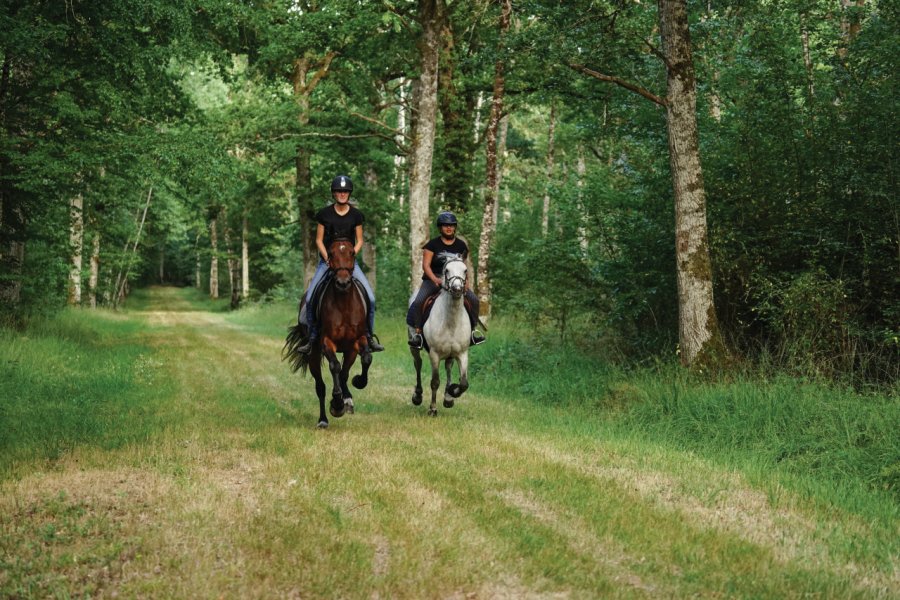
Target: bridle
x,y
337,270
449,280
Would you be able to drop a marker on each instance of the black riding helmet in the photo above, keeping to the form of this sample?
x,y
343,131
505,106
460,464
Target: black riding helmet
x,y
342,183
446,218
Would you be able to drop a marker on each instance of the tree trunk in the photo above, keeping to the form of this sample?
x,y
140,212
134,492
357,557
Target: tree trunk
x,y
699,336
581,171
431,16
807,60
122,280
95,269
545,215
76,247
234,282
501,170
488,221
370,232
398,186
197,264
850,23
245,258
214,259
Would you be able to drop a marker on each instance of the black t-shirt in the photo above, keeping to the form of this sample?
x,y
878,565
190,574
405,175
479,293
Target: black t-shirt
x,y
442,252
339,226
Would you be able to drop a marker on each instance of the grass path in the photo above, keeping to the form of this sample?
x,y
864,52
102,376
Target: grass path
x,y
233,493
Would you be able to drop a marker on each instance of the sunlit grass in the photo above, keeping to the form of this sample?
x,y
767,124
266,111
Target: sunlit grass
x,y
556,475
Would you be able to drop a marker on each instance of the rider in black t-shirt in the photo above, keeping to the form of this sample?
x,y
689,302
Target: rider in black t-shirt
x,y
434,256
338,220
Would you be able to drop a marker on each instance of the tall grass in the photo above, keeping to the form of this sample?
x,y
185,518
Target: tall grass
x,y
826,439
75,379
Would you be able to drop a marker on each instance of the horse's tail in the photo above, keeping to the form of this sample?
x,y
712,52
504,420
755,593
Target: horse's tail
x,y
296,337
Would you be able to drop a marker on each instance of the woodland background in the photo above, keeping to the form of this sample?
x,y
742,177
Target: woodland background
x,y
188,143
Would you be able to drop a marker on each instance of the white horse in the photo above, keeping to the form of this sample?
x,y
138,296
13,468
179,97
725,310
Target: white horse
x,y
447,332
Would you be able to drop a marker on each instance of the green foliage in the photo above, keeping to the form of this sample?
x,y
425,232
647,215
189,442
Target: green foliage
x,y
798,135
75,379
804,430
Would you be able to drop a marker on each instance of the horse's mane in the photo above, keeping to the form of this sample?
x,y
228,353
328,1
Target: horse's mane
x,y
448,256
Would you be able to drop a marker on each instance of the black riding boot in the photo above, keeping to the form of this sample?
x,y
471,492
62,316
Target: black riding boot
x,y
477,338
374,345
308,346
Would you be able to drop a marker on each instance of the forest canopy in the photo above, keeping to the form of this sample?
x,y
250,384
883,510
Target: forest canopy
x,y
606,159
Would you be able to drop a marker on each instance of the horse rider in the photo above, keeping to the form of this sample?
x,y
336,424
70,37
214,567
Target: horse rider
x,y
338,220
434,256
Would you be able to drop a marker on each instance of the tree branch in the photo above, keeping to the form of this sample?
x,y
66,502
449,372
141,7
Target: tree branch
x,y
380,124
620,82
326,63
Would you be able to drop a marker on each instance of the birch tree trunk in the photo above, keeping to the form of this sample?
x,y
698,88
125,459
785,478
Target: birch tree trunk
x,y
545,215
431,16
370,233
501,170
234,283
197,261
807,58
488,221
245,257
581,171
214,259
95,269
398,187
76,247
699,336
122,279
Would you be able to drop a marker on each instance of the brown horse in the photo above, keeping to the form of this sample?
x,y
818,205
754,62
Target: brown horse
x,y
342,313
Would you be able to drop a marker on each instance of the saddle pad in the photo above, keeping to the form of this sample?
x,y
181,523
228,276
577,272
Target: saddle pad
x,y
429,304
320,291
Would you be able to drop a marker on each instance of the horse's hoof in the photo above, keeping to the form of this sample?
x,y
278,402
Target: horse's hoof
x,y
417,399
336,409
432,412
454,390
448,402
360,382
348,407
322,425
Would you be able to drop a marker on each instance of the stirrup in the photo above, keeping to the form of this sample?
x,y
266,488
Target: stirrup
x,y
375,344
307,347
477,337
416,341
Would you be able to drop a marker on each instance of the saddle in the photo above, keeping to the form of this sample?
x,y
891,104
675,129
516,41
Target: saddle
x,y
429,304
317,294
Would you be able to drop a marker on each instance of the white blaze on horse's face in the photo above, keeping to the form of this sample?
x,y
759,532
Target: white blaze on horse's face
x,y
455,277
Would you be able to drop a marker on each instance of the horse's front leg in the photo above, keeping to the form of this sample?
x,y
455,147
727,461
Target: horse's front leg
x,y
362,380
449,385
315,369
417,363
349,359
337,394
457,389
435,382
